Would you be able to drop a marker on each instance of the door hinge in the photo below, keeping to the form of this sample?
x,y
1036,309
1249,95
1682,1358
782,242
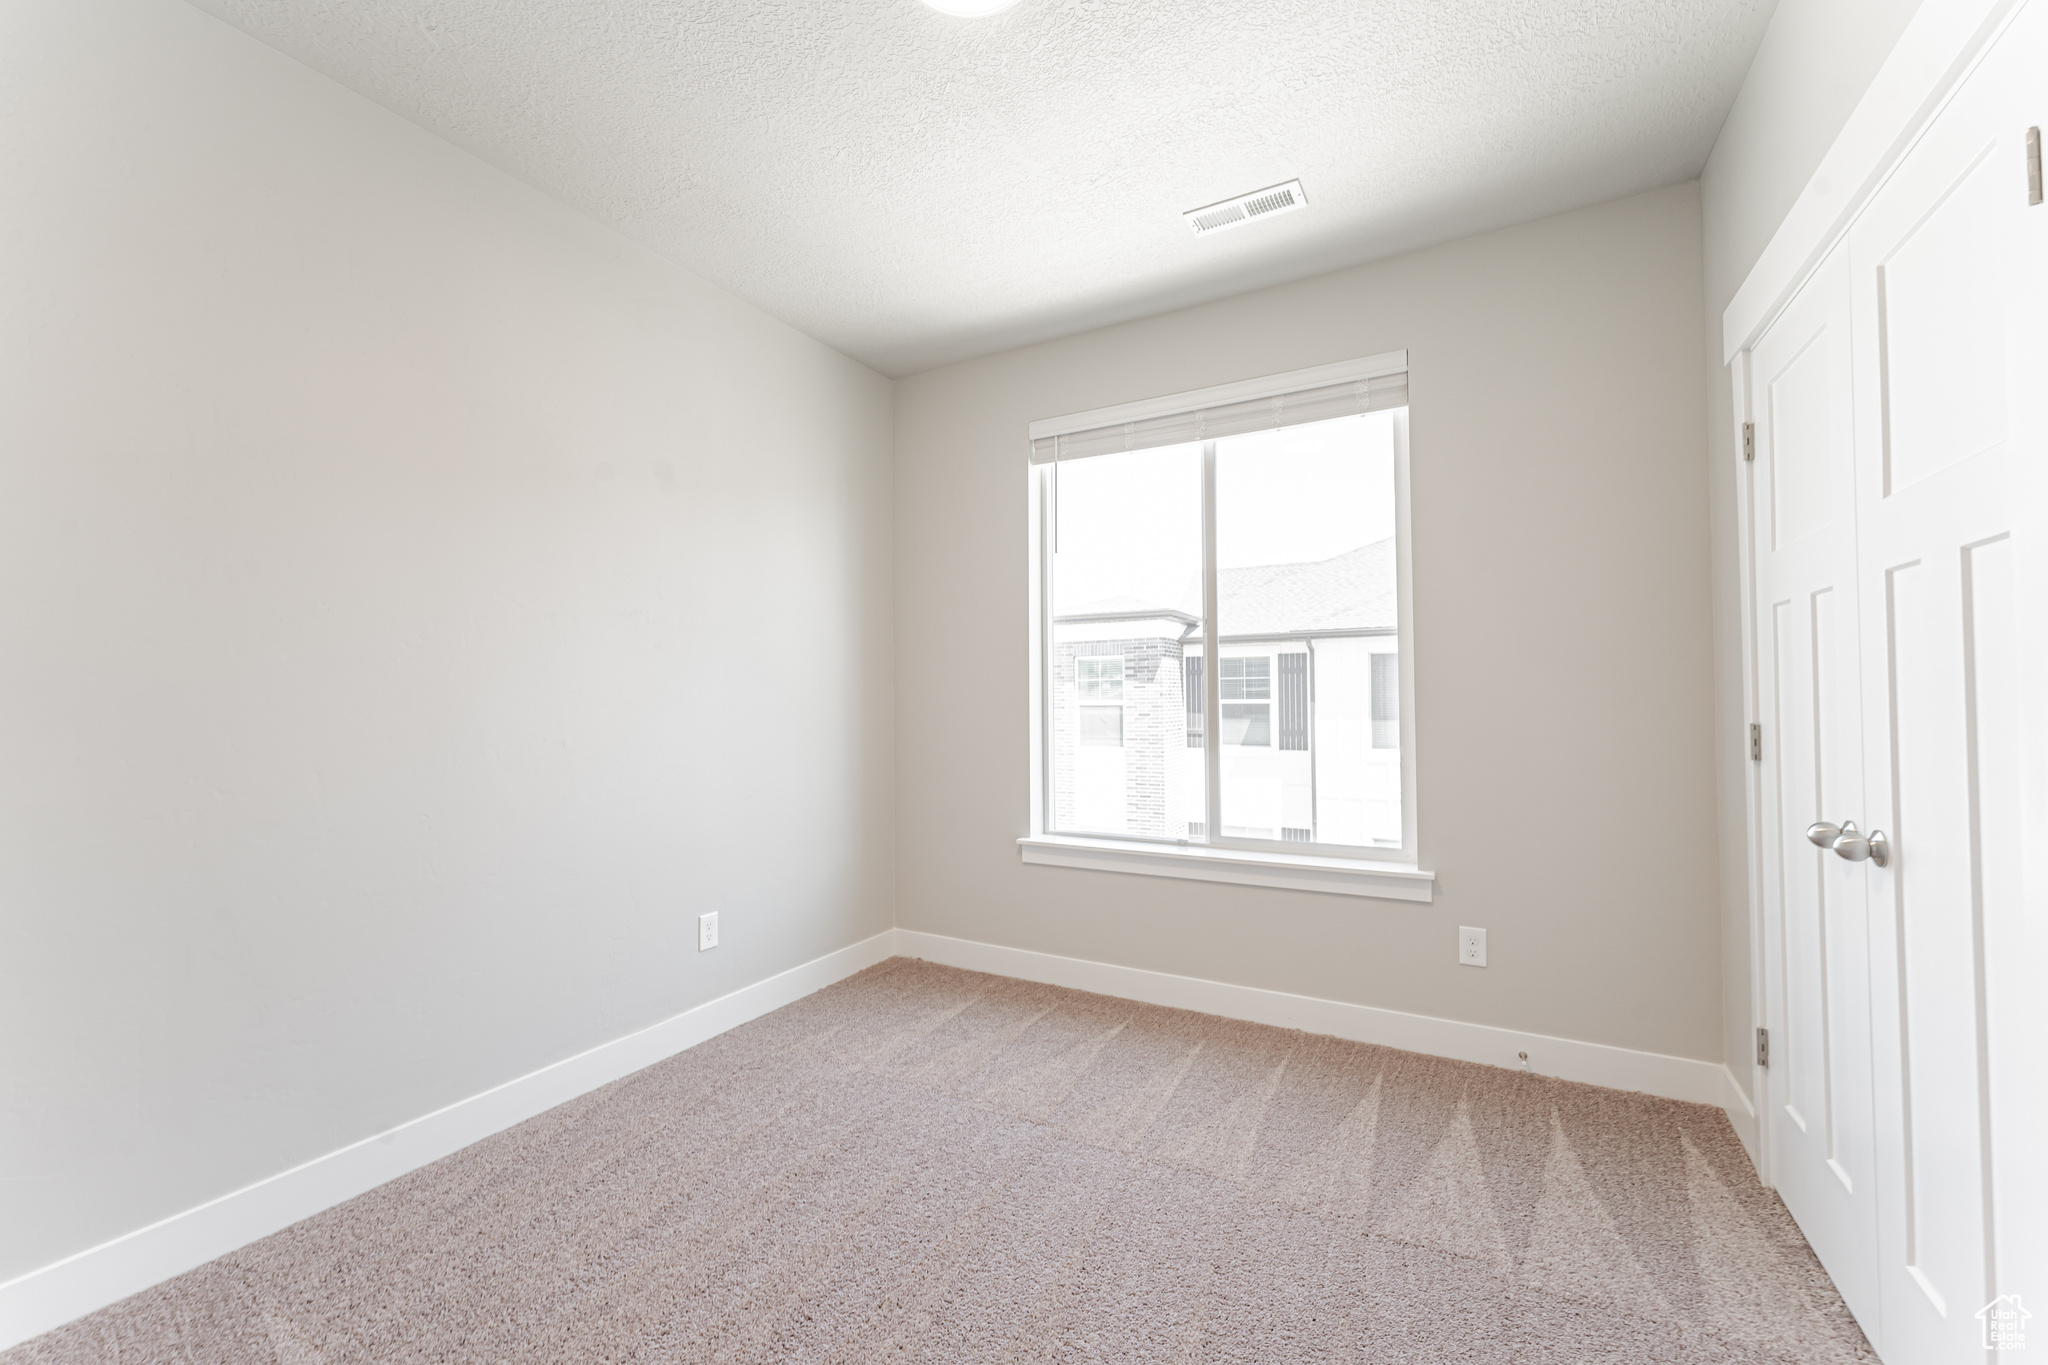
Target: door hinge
x,y
1749,440
1763,1048
1756,742
2033,165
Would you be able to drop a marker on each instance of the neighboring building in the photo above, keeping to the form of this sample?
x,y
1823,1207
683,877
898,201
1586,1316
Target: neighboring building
x,y
1310,718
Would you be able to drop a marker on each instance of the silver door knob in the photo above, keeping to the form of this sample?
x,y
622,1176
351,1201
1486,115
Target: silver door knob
x,y
1825,834
1856,848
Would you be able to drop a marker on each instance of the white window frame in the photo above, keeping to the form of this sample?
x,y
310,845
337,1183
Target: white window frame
x,y
1387,873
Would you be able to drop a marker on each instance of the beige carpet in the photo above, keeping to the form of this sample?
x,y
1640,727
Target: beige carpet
x,y
923,1164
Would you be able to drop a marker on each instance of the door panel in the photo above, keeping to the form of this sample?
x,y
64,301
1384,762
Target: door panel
x,y
1941,327
1933,262
1799,412
1818,1101
1939,1087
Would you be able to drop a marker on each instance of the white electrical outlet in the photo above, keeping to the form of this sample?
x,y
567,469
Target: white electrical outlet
x,y
707,932
1471,946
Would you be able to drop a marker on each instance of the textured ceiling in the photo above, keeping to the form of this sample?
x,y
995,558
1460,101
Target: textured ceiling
x,y
914,189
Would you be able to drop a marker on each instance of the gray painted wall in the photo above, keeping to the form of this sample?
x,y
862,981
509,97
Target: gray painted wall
x,y
1816,60
1562,638
416,604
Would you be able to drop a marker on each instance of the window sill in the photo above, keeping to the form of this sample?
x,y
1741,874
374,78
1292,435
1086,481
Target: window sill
x,y
1337,876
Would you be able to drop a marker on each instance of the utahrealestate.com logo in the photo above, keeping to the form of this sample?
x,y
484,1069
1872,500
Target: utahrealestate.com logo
x,y
2005,1324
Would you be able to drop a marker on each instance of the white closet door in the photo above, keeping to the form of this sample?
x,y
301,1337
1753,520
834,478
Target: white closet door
x,y
1816,954
1936,264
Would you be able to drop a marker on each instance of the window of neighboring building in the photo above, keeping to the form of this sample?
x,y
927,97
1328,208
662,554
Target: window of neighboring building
x,y
1102,725
1247,679
1244,724
1100,678
1386,701
1245,682
1232,568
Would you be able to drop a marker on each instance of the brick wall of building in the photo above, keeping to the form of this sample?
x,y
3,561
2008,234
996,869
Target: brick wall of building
x,y
1154,730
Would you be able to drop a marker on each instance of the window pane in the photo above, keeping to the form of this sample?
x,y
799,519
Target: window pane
x,y
1307,613
1386,701
1102,725
1247,679
1100,678
1126,539
1246,724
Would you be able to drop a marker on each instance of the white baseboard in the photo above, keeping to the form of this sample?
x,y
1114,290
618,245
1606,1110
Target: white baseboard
x,y
52,1296
1742,1116
1620,1068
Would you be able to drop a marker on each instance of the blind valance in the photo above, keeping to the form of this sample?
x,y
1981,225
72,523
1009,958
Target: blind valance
x,y
1217,420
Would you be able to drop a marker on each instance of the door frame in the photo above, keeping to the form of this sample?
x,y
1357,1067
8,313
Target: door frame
x,y
1757,1091
1939,48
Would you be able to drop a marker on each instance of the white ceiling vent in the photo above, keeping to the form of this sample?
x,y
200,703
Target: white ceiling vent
x,y
1245,208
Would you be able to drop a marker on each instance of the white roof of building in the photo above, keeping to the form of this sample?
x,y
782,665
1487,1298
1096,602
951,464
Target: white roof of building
x,y
1354,591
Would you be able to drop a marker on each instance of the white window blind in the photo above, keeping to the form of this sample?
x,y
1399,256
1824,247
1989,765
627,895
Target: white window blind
x,y
1231,416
